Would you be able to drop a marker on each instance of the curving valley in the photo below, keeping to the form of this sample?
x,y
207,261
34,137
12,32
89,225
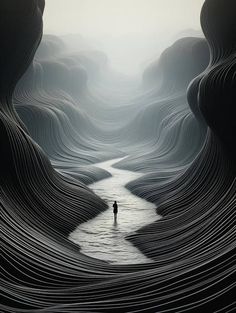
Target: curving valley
x,y
63,115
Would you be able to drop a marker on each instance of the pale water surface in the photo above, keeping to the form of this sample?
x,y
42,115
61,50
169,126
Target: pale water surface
x,y
102,237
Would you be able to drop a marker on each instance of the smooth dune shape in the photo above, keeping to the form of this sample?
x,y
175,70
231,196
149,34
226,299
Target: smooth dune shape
x,y
192,246
56,106
174,135
189,51
47,100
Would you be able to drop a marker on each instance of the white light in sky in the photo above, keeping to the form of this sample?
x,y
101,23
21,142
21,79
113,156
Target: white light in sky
x,y
123,26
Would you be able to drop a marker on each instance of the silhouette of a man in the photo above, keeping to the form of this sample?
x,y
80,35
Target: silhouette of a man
x,y
115,210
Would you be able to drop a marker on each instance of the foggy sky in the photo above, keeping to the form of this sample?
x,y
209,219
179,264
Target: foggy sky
x,y
124,26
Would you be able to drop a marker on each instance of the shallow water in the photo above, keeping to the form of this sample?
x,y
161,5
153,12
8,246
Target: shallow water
x,y
102,237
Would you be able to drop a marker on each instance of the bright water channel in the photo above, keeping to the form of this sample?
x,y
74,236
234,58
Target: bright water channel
x,y
102,237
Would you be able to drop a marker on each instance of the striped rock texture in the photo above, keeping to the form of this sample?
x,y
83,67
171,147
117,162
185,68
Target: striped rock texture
x,y
53,131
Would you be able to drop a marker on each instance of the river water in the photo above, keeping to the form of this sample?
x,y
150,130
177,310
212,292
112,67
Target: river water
x,y
102,237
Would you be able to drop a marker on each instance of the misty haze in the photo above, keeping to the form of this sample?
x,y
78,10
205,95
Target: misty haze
x,y
118,155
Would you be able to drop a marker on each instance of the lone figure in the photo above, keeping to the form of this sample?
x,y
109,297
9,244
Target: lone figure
x,y
115,210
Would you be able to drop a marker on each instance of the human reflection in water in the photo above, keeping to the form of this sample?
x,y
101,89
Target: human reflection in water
x,y
115,211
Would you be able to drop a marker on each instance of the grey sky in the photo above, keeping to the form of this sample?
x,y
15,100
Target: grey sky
x,y
107,20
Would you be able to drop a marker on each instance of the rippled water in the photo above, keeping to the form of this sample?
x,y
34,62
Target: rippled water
x,y
102,237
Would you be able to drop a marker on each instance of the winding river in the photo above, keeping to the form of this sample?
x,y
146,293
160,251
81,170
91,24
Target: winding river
x,y
102,237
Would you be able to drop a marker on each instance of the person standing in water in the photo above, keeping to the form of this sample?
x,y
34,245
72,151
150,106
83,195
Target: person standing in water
x,y
115,210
